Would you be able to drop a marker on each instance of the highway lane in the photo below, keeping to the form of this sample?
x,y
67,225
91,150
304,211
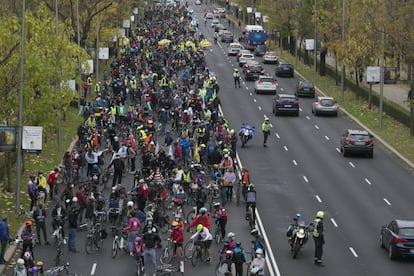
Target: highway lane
x,y
343,185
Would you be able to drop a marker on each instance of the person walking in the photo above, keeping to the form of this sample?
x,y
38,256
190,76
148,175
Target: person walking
x,y
257,266
239,258
236,76
151,241
31,190
4,237
318,237
266,131
118,169
39,216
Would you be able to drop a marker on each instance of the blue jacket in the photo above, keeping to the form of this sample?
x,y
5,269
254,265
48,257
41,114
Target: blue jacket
x,y
4,231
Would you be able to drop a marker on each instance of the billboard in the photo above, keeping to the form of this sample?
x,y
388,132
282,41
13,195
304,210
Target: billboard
x,y
8,138
32,138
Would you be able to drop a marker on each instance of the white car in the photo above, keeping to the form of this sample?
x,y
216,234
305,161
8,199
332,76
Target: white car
x,y
270,57
209,15
244,57
214,23
265,84
234,48
222,30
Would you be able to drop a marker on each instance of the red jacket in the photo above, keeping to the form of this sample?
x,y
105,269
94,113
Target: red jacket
x,y
199,219
177,235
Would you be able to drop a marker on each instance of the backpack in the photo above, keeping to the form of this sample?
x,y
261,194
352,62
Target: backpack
x,y
223,213
238,257
51,178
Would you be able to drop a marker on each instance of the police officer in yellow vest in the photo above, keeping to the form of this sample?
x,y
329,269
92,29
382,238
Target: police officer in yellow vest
x,y
266,131
318,237
89,81
98,87
236,76
163,82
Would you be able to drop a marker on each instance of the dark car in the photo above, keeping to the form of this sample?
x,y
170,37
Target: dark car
x,y
285,104
260,50
285,70
397,238
305,88
227,36
357,141
252,71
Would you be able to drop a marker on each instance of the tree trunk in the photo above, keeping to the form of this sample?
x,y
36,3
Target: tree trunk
x,y
8,173
322,61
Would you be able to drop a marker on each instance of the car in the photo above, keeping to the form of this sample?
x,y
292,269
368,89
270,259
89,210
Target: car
x,y
260,50
214,23
285,104
397,238
244,57
285,70
266,84
209,15
325,105
305,89
252,71
221,12
227,37
222,30
357,141
234,49
198,2
270,58
219,27
242,51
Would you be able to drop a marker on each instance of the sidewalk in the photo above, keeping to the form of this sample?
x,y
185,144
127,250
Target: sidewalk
x,y
396,93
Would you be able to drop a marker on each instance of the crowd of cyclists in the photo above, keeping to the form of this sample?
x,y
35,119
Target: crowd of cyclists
x,y
154,116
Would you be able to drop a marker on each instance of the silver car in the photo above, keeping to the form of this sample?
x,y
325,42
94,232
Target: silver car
x,y
325,105
234,49
244,57
266,84
270,58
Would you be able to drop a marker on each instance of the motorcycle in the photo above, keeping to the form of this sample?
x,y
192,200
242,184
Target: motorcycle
x,y
246,134
300,235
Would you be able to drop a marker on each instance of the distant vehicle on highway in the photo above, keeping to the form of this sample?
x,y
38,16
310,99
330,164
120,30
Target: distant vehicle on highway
x,y
252,70
285,104
325,106
234,49
227,37
305,88
244,57
397,238
270,58
266,84
260,50
215,22
357,141
209,15
284,70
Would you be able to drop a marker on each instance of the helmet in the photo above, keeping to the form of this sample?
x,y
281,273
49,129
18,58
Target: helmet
x,y
259,251
20,261
95,167
130,203
231,235
200,228
226,156
251,186
217,204
29,223
203,210
228,254
320,214
138,240
174,223
75,199
116,138
40,172
232,131
27,255
254,232
267,119
215,166
238,243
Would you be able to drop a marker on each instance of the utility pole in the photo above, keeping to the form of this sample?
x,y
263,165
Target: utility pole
x,y
314,46
382,78
20,115
343,41
59,123
97,43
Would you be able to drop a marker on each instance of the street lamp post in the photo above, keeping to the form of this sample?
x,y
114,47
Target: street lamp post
x,y
20,114
343,41
59,123
314,47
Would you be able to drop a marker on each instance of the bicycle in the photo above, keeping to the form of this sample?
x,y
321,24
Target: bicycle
x,y
167,253
139,264
120,241
60,241
94,240
199,253
217,232
55,271
169,269
250,217
189,249
191,215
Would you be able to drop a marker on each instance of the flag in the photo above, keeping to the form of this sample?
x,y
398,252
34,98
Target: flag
x,y
196,154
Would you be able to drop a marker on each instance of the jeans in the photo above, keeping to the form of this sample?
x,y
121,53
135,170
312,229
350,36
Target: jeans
x,y
3,250
72,239
83,171
150,261
223,195
131,238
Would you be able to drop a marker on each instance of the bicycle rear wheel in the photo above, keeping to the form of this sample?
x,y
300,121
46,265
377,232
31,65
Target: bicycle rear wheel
x,y
88,245
115,246
217,235
166,256
196,257
189,249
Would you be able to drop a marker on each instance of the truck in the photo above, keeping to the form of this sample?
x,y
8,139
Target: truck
x,y
252,36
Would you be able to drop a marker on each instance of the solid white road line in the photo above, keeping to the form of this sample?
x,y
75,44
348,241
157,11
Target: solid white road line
x,y
93,270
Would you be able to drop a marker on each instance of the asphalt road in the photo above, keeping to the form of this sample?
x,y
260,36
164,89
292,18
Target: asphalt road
x,y
303,171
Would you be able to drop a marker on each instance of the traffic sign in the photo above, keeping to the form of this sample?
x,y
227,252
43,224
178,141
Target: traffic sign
x,y
373,74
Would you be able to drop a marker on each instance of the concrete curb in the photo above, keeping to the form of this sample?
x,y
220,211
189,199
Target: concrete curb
x,y
377,137
11,250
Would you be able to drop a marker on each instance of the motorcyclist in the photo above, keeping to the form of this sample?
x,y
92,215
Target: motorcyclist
x,y
251,201
292,228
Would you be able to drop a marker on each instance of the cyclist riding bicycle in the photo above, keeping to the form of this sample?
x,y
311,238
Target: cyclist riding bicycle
x,y
220,214
202,218
203,235
177,236
251,201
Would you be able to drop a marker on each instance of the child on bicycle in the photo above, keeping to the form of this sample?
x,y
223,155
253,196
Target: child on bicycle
x,y
177,236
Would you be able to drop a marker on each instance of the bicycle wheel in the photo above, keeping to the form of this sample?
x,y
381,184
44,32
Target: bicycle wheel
x,y
166,256
191,216
57,258
189,249
217,235
140,267
88,245
196,257
115,246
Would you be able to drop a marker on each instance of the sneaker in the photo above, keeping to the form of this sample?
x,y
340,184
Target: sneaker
x,y
208,260
319,263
